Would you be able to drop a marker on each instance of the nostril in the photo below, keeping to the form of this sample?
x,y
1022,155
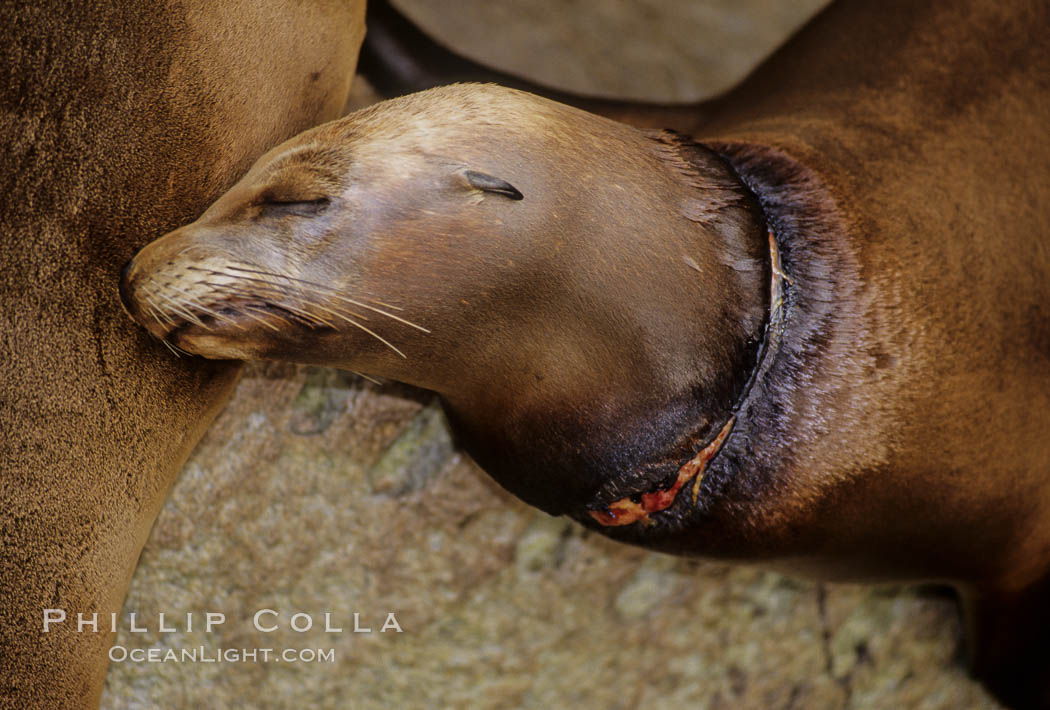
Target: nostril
x,y
125,288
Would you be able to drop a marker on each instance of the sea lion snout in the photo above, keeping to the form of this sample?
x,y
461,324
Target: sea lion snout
x,y
191,291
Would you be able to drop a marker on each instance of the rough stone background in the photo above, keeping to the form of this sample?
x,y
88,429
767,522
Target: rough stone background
x,y
319,492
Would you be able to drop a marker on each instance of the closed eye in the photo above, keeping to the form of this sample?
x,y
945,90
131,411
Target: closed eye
x,y
271,206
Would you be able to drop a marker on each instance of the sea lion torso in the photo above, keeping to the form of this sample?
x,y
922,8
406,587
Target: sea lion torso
x,y
121,121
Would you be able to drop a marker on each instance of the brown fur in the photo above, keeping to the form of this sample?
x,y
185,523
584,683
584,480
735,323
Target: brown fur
x,y
121,122
921,127
898,428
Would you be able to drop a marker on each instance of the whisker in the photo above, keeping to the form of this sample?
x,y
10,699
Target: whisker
x,y
155,316
399,319
177,307
152,310
363,376
310,318
269,313
175,351
385,305
283,291
375,335
320,288
265,322
209,311
158,315
338,314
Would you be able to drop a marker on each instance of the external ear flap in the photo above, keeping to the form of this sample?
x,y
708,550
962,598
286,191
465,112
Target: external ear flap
x,y
490,183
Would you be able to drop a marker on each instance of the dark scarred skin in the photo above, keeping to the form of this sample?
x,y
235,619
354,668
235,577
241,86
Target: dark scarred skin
x,y
121,121
592,337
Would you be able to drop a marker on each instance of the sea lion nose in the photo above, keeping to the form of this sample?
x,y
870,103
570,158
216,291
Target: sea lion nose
x,y
126,289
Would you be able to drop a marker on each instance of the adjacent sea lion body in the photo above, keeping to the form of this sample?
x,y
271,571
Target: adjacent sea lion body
x,y
122,121
864,396
928,170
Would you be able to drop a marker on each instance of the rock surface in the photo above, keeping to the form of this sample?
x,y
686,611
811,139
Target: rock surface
x,y
317,492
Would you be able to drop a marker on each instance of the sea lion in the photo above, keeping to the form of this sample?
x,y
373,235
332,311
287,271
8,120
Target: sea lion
x,y
319,287
122,121
863,397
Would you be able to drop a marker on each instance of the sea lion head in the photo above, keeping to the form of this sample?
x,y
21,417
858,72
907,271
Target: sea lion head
x,y
587,299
